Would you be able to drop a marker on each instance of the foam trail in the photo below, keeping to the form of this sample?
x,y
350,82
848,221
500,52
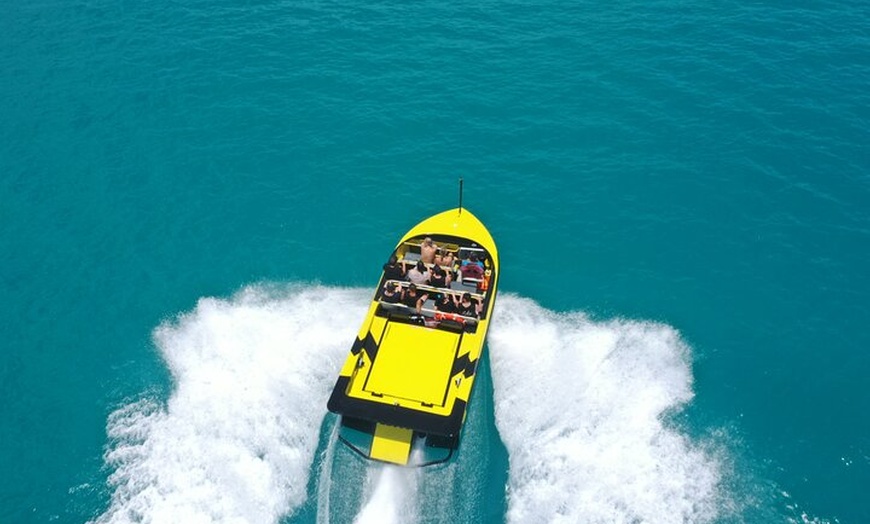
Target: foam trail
x,y
324,484
394,496
236,439
580,405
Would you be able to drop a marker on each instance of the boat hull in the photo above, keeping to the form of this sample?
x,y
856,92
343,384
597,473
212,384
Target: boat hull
x,y
408,378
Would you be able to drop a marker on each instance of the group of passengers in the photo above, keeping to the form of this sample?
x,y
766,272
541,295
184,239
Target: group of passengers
x,y
431,253
437,276
411,297
444,302
461,305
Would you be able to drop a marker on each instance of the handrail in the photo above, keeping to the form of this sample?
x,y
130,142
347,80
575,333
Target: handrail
x,y
429,265
426,310
423,287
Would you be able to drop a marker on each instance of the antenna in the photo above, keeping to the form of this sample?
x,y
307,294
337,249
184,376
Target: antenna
x,y
460,195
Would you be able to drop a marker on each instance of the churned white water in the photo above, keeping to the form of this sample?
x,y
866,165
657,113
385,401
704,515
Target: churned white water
x,y
392,497
580,406
236,439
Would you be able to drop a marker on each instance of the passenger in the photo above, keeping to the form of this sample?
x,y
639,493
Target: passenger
x,y
483,285
414,298
393,270
474,258
439,277
392,294
427,251
419,274
471,268
467,307
445,304
445,258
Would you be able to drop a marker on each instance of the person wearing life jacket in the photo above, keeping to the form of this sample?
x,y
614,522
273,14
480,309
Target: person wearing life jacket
x,y
483,285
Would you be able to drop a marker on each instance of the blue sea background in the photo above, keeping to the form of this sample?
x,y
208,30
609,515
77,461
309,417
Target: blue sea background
x,y
193,193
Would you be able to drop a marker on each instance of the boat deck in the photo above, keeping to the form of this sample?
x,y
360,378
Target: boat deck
x,y
405,369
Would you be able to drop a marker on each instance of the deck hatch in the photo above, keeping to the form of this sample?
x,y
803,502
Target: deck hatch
x,y
404,370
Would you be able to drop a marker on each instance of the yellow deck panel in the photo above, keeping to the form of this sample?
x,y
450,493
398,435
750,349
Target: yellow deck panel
x,y
413,363
391,444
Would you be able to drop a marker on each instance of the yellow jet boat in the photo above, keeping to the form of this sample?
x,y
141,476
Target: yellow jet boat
x,y
404,389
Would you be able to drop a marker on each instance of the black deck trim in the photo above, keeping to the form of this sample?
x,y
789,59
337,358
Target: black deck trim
x,y
399,416
368,344
464,365
451,443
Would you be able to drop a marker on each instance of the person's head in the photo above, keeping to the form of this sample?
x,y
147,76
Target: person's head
x,y
412,288
466,297
437,270
427,241
421,267
393,260
391,287
473,256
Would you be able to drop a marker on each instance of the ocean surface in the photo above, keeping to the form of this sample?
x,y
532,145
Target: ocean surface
x,y
196,199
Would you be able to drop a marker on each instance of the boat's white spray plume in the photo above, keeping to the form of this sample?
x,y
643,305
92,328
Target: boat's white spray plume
x,y
392,496
236,438
580,407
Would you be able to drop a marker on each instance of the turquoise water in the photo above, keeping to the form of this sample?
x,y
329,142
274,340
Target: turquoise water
x,y
195,200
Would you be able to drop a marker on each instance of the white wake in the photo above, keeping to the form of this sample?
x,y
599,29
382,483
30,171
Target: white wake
x,y
392,497
580,406
236,438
